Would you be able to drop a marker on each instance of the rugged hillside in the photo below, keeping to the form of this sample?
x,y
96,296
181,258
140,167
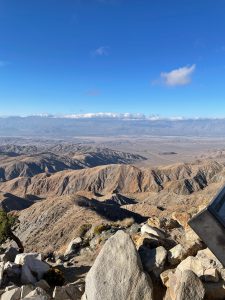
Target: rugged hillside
x,y
53,222
126,179
30,165
15,162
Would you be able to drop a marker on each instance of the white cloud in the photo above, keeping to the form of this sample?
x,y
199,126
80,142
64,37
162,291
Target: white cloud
x,y
101,51
181,76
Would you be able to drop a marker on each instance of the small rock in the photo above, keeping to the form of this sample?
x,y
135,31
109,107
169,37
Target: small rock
x,y
182,218
26,289
208,259
145,240
13,294
165,277
153,259
43,285
153,231
135,228
176,255
193,264
191,236
73,246
68,292
60,293
156,222
38,294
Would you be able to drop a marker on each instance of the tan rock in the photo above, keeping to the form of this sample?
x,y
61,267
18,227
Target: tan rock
x,y
182,218
147,241
156,222
186,286
193,264
165,275
208,259
153,231
191,236
176,255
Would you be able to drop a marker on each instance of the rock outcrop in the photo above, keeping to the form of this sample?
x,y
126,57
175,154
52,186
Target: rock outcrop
x,y
117,273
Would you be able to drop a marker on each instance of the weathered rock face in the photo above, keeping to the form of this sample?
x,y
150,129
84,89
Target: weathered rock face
x,y
186,286
117,273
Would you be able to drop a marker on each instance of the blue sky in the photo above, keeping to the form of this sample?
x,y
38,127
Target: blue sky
x,y
163,57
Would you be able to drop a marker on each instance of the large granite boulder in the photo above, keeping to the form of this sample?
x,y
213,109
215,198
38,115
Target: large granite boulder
x,y
117,273
33,268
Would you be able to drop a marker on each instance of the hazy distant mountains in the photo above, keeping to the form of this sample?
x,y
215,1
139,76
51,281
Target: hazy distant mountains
x,y
108,125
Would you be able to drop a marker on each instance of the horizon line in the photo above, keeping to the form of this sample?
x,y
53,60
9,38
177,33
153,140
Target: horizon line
x,y
112,115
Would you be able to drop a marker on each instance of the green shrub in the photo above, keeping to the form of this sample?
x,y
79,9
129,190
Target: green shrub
x,y
84,229
54,277
100,228
8,223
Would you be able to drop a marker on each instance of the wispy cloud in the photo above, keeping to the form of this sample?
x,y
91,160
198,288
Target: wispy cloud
x,y
177,77
101,51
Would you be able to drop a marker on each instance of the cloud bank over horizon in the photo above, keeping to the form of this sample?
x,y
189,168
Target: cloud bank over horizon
x,y
115,116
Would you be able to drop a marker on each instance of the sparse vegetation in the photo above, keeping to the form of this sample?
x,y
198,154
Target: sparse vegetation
x,y
8,223
100,228
84,229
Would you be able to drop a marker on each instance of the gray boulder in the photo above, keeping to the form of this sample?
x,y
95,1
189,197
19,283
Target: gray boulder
x,y
38,294
117,273
33,268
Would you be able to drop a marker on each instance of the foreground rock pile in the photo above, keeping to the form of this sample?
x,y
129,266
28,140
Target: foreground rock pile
x,y
159,259
27,276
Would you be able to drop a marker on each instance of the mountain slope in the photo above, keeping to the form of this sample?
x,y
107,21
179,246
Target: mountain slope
x,y
125,179
15,163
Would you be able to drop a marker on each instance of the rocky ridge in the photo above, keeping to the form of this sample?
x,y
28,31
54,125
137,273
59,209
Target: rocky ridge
x,y
161,258
126,179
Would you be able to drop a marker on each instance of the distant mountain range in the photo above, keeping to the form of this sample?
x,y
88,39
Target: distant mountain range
x,y
108,124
